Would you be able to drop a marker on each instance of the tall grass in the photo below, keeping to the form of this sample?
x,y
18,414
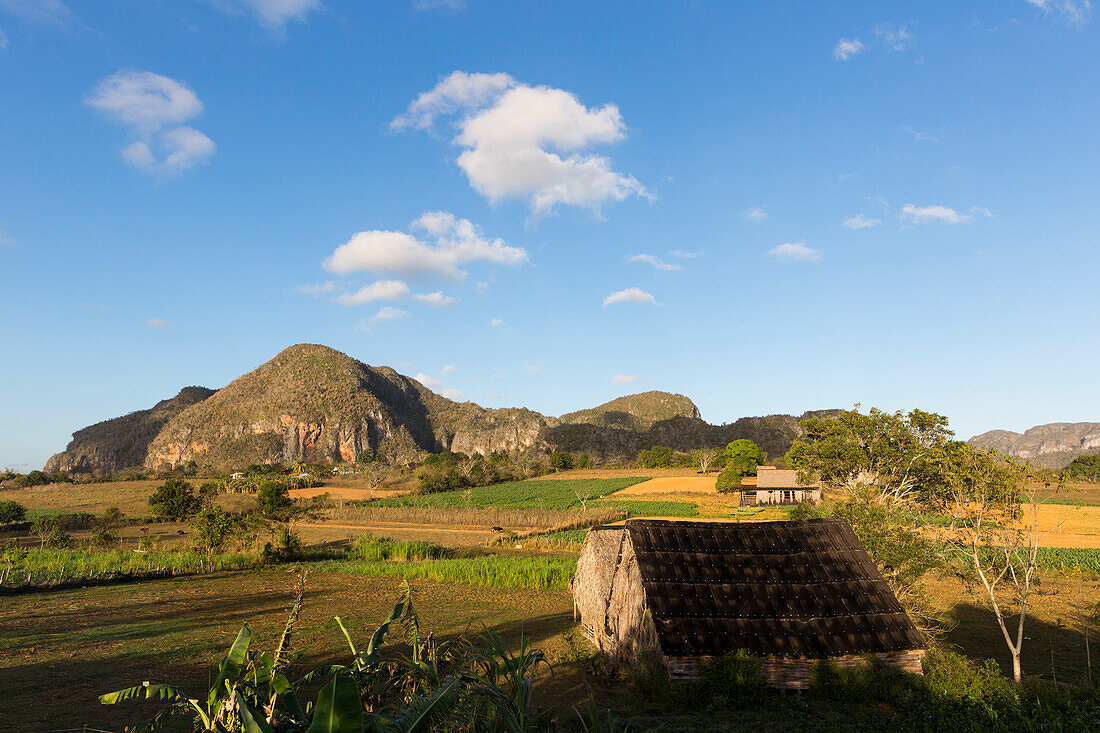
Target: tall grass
x,y
370,548
41,566
538,572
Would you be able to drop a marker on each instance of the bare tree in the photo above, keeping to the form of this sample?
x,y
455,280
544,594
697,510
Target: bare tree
x,y
582,499
375,475
705,458
993,502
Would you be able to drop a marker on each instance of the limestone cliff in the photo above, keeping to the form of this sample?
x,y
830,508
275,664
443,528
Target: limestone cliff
x,y
1053,445
115,444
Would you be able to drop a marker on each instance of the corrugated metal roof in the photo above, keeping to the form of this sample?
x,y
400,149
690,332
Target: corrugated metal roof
x,y
803,588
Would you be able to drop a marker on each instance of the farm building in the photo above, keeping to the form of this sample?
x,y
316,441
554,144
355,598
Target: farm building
x,y
773,485
792,593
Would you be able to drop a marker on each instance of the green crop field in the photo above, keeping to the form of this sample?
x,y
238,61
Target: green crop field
x,y
642,508
554,494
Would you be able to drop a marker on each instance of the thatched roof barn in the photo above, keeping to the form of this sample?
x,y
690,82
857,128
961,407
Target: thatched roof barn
x,y
792,593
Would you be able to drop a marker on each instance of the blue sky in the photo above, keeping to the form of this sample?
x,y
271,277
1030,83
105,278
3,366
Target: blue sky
x,y
890,204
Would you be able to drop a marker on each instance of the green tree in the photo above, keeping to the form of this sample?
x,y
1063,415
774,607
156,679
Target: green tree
x,y
174,499
212,528
729,479
36,478
274,499
561,460
889,455
11,512
1086,468
880,466
659,456
742,457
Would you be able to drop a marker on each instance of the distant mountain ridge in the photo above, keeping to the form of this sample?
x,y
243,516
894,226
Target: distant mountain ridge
x,y
115,444
318,404
1053,445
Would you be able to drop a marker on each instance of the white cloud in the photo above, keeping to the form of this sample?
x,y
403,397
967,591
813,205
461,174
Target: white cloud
x,y
156,323
894,37
756,214
532,369
317,289
919,135
492,395
796,251
453,394
388,313
147,103
272,14
859,221
481,287
177,150
144,100
625,378
846,48
1074,12
448,369
681,254
497,322
5,240
941,214
378,290
526,142
653,261
3,40
629,295
428,381
48,13
452,5
436,300
457,242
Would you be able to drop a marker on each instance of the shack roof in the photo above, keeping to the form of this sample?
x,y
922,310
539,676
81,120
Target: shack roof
x,y
769,477
791,589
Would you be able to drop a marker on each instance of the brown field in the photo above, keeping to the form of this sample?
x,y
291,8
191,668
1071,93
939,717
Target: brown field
x,y
1069,526
667,485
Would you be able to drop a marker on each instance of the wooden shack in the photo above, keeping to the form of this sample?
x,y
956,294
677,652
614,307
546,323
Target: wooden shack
x,y
792,593
777,486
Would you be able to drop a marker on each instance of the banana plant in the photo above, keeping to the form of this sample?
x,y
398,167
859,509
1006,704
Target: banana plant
x,y
220,708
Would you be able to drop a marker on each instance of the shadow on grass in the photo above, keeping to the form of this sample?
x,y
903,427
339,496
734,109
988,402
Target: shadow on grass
x,y
1051,651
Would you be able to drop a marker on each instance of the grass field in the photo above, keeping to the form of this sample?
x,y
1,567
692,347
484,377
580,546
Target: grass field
x,y
533,494
59,650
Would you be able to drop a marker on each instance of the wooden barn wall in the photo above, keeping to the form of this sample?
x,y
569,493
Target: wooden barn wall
x,y
794,673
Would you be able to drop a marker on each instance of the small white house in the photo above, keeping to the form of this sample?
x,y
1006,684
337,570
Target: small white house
x,y
778,486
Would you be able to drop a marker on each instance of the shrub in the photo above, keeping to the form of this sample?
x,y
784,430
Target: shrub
x,y
11,512
273,498
35,478
806,511
659,456
174,499
112,517
58,539
210,489
288,546
733,680
104,538
561,460
728,480
212,528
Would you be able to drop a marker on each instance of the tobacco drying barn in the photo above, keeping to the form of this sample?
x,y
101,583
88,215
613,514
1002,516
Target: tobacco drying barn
x,y
792,593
